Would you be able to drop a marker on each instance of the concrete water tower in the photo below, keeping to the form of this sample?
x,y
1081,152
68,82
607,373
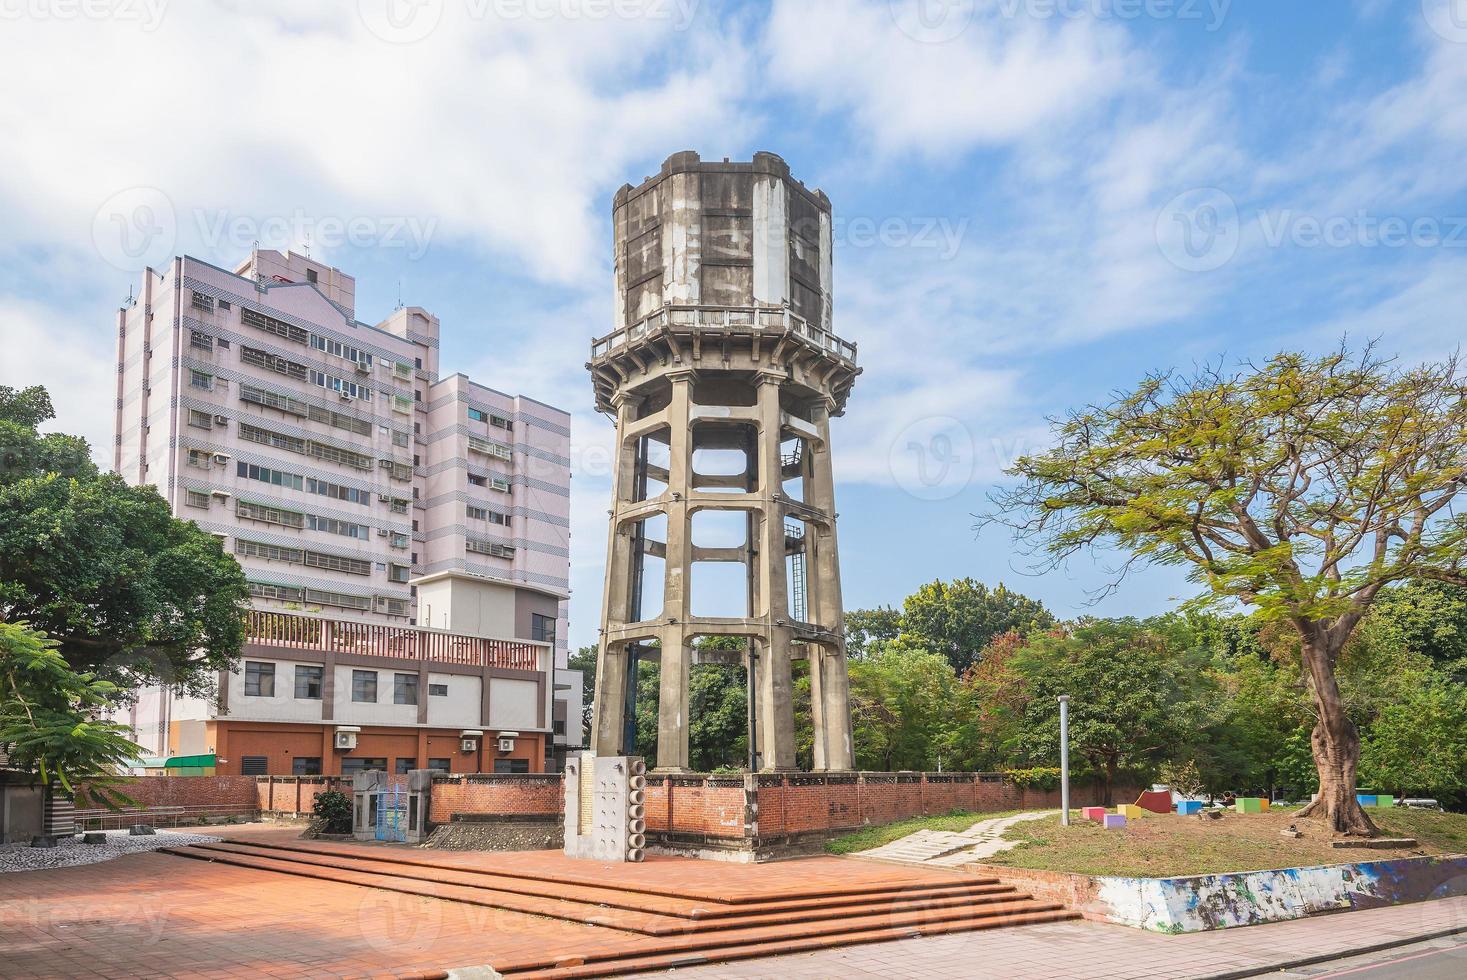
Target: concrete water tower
x,y
722,374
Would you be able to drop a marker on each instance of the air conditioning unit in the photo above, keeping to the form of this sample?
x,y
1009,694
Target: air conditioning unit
x,y
346,740
221,420
222,494
362,368
506,745
382,532
221,458
467,745
384,498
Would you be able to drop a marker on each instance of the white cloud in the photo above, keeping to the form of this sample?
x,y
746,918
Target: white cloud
x,y
43,348
502,132
985,79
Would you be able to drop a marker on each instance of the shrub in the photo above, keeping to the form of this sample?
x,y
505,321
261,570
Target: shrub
x,y
334,809
1041,777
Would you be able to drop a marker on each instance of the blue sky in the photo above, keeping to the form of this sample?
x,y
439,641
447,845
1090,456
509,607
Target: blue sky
x,y
1037,202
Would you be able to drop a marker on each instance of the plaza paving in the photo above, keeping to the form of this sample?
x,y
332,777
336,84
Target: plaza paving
x,y
162,915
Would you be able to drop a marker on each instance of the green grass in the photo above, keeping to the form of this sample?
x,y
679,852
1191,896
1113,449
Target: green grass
x,y
869,837
1160,846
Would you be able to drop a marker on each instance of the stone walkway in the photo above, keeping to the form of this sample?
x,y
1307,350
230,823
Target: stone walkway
x,y
951,849
1084,950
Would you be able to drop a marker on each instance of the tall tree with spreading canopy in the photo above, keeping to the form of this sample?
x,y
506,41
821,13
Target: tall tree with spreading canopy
x,y
958,619
129,592
1301,487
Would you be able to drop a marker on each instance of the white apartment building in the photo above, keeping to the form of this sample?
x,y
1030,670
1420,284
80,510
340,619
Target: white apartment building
x,y
348,477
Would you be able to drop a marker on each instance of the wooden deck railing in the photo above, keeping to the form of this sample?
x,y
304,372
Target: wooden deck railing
x,y
296,632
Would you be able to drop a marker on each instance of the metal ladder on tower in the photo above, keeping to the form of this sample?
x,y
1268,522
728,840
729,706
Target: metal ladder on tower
x,y
794,540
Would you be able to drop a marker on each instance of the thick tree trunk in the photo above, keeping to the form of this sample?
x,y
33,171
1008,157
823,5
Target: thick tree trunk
x,y
1336,745
1108,788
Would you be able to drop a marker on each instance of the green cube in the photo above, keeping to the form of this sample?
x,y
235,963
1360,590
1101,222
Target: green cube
x,y
1385,800
1248,804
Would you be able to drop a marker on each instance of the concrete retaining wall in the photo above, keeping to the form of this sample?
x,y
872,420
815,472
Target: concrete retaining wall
x,y
1199,903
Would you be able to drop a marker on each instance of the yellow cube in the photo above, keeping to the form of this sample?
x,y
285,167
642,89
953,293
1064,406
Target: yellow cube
x,y
1131,811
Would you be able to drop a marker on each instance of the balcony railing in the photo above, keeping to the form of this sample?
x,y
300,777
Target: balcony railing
x,y
292,631
771,320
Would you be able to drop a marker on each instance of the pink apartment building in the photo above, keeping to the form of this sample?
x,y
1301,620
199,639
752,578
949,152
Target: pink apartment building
x,y
354,483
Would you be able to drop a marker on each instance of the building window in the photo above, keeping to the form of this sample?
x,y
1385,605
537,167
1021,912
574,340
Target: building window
x,y
200,340
398,573
542,628
196,499
305,765
259,679
254,765
201,380
478,416
477,481
558,726
437,690
440,765
404,766
224,304
477,513
364,686
405,689
310,275
511,765
308,683
351,765
200,420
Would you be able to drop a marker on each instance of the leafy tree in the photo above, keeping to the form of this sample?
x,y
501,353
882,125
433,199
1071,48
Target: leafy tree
x,y
584,660
127,590
49,718
1130,705
866,627
333,809
1302,487
25,452
1418,744
907,710
958,619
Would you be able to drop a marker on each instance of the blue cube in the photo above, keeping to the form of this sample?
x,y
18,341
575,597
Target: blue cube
x,y
1188,808
1365,800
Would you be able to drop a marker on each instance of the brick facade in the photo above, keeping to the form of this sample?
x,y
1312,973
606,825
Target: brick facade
x,y
520,795
183,791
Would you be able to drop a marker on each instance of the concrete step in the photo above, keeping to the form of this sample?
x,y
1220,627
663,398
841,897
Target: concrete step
x,y
607,908
773,946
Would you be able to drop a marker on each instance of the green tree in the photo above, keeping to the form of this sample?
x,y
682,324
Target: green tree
x,y
958,619
867,627
1302,487
1130,706
907,710
129,592
49,717
1418,743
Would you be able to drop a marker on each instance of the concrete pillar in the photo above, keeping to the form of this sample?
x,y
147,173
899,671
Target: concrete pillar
x,y
608,714
828,610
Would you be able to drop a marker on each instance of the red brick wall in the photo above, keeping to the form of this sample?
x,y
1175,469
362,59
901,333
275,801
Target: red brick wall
x,y
184,791
524,794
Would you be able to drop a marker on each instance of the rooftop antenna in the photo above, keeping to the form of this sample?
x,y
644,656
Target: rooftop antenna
x,y
308,246
399,293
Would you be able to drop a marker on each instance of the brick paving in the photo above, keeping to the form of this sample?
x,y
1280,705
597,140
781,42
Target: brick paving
x,y
162,915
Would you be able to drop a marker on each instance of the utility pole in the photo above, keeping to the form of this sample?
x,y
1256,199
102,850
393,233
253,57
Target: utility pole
x,y
1064,703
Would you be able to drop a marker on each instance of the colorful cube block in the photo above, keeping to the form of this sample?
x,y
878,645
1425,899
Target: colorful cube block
x,y
1130,811
1113,820
1096,813
1263,805
1248,804
1189,808
1365,800
1385,801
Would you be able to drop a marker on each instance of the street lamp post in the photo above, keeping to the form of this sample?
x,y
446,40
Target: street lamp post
x,y
1064,703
